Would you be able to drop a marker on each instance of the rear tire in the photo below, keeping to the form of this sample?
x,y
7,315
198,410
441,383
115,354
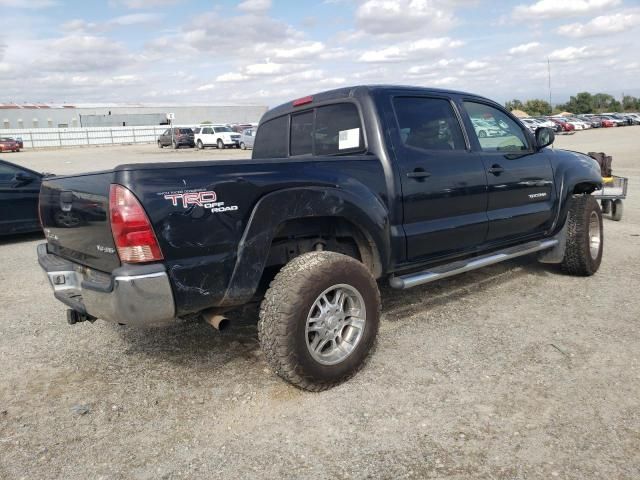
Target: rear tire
x,y
200,145
243,146
319,320
606,206
616,210
159,144
583,253
175,145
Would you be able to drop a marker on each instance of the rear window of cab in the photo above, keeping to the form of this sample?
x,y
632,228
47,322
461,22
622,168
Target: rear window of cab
x,y
326,130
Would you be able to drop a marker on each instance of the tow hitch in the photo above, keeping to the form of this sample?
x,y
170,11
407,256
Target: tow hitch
x,y
73,317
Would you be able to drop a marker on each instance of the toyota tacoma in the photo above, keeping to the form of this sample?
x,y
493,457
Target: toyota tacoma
x,y
345,189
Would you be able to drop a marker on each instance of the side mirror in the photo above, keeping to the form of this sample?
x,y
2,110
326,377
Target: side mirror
x,y
544,137
23,178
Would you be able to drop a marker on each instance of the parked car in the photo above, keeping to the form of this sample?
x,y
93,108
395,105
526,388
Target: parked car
x,y
220,136
577,124
545,122
606,122
19,189
19,142
566,126
592,120
176,137
632,118
9,145
484,128
240,127
531,124
334,198
620,122
247,138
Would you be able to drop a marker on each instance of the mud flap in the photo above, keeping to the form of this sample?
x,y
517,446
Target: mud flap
x,y
556,254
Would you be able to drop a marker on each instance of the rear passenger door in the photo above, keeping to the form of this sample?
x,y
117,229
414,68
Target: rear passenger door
x,y
443,182
520,177
207,136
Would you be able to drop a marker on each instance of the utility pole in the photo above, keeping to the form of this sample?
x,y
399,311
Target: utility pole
x,y
549,77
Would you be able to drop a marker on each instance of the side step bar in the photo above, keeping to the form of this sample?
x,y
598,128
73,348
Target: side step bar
x,y
455,268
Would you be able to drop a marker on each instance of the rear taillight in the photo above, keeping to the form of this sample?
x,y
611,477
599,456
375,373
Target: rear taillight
x,y
135,240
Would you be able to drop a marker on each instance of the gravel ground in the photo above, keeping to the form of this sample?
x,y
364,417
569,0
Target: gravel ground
x,y
512,372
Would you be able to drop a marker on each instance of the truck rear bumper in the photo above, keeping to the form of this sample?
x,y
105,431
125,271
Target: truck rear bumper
x,y
137,295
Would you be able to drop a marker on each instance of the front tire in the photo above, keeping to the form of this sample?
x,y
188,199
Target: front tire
x,y
319,320
243,146
583,253
220,144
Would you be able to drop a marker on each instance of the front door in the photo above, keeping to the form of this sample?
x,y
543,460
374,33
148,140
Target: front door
x,y
520,177
18,199
443,182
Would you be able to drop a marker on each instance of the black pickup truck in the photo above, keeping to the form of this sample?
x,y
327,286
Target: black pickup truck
x,y
345,188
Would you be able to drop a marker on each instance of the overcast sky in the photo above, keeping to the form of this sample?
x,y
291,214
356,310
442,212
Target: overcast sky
x,y
266,52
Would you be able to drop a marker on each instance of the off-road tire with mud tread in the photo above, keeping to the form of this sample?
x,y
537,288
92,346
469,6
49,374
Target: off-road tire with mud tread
x,y
283,317
577,257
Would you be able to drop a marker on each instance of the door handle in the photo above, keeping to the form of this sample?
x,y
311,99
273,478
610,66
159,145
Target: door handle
x,y
496,169
418,174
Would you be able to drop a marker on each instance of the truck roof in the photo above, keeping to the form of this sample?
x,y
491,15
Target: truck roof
x,y
357,91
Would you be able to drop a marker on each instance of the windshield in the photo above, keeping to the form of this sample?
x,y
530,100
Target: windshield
x,y
222,129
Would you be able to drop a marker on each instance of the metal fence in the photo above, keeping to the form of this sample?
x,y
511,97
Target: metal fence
x,y
72,137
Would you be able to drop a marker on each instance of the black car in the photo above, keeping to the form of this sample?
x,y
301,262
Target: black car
x,y
176,137
19,189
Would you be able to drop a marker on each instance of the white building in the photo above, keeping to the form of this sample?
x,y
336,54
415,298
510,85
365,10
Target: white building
x,y
14,116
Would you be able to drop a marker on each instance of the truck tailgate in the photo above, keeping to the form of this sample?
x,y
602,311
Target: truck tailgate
x,y
75,215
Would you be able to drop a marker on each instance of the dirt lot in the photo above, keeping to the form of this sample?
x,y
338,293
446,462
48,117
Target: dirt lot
x,y
511,372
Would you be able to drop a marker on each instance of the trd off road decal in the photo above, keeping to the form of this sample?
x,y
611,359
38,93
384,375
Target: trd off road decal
x,y
201,198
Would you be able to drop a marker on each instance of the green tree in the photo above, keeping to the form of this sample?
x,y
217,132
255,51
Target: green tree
x,y
514,104
603,102
630,103
580,103
537,107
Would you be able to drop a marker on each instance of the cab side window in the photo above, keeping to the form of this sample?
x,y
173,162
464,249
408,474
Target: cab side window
x,y
302,133
336,130
271,139
428,123
508,136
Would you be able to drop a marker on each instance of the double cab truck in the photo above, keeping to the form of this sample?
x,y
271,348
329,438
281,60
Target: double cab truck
x,y
345,189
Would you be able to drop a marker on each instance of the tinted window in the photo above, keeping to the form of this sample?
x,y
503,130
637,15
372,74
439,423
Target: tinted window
x,y
271,139
338,130
222,129
7,172
428,123
196,130
207,131
510,135
185,131
302,133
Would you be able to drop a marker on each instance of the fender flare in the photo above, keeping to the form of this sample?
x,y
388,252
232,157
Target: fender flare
x,y
569,173
357,205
